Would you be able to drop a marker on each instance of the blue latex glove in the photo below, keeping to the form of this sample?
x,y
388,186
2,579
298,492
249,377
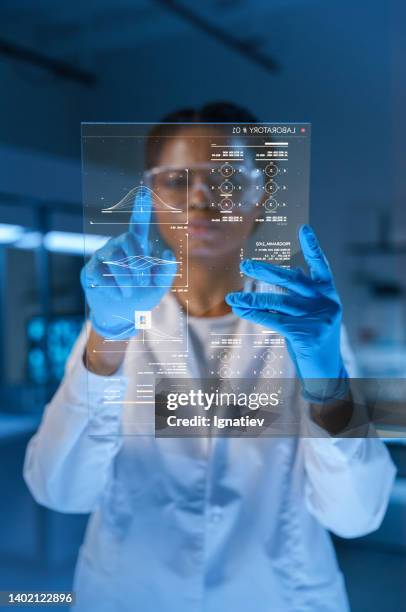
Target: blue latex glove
x,y
134,281
308,315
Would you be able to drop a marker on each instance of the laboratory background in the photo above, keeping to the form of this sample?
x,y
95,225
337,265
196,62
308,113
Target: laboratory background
x,y
337,64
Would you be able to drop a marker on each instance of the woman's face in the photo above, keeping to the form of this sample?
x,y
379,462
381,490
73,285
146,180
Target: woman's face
x,y
189,188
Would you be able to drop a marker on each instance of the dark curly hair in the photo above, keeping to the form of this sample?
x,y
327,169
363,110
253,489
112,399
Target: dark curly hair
x,y
213,112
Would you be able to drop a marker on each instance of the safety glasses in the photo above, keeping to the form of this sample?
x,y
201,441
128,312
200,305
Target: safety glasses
x,y
220,179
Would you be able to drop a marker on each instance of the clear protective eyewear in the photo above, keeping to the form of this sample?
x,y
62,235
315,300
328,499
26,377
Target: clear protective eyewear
x,y
220,180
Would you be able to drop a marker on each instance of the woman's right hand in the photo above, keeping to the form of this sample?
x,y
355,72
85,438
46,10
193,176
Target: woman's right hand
x,y
122,278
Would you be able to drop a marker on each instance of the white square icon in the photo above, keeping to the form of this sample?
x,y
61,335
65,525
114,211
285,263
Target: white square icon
x,y
142,319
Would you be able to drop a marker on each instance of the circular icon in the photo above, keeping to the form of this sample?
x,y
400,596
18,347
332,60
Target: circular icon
x,y
271,169
271,205
226,204
269,372
226,187
225,372
227,170
271,187
269,356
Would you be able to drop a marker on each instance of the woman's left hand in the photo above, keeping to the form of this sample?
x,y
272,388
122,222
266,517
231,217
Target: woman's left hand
x,y
308,314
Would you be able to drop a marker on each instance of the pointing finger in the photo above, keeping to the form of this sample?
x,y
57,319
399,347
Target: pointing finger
x,y
314,256
141,215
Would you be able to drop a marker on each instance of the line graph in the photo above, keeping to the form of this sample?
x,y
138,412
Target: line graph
x,y
135,201
157,335
136,268
138,263
152,336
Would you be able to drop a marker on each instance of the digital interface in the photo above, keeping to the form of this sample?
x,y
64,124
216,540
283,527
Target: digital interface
x,y
242,184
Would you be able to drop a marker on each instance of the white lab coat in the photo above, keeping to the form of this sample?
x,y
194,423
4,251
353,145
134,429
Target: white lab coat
x,y
189,525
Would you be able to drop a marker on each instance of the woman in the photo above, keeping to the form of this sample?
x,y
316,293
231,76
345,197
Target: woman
x,y
207,523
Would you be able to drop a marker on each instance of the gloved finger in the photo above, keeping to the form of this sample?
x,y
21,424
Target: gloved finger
x,y
130,266
105,251
112,265
294,280
87,277
92,275
141,216
104,257
272,321
134,259
316,260
164,269
120,275
280,302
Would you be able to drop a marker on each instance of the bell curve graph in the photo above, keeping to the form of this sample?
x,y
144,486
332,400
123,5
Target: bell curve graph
x,y
134,202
